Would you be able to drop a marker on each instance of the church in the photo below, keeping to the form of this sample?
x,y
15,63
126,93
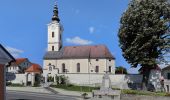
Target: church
x,y
73,60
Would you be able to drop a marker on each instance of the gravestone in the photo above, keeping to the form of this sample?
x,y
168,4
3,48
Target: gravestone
x,y
106,91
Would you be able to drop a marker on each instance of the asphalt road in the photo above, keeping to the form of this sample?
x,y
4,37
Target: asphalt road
x,y
15,95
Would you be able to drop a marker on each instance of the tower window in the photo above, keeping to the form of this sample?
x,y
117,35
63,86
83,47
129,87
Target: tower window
x,y
63,68
52,48
52,34
78,67
110,69
97,69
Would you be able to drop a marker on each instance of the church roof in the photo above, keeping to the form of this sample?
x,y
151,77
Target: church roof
x,y
80,52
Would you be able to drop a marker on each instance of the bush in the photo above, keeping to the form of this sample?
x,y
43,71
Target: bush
x,y
16,85
8,83
36,84
72,87
137,92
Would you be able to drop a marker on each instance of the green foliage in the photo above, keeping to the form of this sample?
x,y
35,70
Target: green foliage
x,y
15,85
63,79
50,79
120,70
143,34
72,87
137,92
36,84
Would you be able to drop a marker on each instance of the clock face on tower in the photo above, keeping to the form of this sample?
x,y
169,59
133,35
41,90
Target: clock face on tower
x,y
53,27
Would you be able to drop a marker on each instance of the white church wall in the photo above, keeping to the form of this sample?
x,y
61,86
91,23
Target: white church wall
x,y
118,81
47,62
71,65
111,62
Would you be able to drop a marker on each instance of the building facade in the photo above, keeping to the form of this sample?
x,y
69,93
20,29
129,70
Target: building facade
x,y
166,76
5,59
76,60
19,66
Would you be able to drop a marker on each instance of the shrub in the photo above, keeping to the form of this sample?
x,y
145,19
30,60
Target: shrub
x,y
16,85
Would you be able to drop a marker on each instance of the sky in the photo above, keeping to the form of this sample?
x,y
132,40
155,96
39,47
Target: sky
x,y
23,26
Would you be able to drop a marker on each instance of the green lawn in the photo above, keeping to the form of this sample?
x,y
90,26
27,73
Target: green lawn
x,y
75,88
124,91
139,92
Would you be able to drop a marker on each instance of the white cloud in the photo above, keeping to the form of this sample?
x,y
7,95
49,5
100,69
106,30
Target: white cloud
x,y
14,52
133,70
91,29
78,40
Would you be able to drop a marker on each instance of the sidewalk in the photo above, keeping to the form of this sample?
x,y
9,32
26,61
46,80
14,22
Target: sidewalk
x,y
43,90
73,93
28,89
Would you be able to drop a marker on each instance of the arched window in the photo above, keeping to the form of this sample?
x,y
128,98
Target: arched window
x,y
97,69
78,67
63,68
52,48
52,34
110,69
50,68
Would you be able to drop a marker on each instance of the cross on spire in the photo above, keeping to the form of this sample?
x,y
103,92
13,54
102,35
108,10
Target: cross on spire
x,y
55,15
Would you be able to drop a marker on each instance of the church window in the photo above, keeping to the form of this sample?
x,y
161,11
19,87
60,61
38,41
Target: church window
x,y
97,69
52,48
110,69
63,68
110,60
78,67
52,34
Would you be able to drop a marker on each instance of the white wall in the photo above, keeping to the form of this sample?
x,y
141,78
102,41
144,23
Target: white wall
x,y
20,78
118,81
71,65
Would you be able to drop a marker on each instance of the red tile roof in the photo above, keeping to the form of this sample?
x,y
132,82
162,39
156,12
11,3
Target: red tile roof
x,y
34,68
18,61
76,52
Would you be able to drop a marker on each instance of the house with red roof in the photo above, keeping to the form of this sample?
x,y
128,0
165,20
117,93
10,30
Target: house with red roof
x,y
19,66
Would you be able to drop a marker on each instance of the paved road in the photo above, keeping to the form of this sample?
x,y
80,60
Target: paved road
x,y
15,95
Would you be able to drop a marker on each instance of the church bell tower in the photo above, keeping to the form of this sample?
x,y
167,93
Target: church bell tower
x,y
55,30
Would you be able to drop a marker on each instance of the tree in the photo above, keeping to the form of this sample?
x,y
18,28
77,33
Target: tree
x,y
120,70
143,34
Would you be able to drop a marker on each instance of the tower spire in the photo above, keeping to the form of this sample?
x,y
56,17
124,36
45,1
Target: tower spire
x,y
55,13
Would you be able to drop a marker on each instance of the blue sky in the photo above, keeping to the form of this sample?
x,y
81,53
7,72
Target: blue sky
x,y
23,25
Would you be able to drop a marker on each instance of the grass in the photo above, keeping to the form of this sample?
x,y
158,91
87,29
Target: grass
x,y
124,91
16,85
75,88
137,92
